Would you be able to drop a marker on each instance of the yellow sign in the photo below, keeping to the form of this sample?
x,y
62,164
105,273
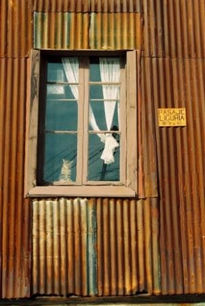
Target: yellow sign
x,y
171,116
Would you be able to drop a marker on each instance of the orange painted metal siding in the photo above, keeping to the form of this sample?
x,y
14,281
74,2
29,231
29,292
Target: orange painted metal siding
x,y
15,214
173,75
174,28
84,6
15,28
181,166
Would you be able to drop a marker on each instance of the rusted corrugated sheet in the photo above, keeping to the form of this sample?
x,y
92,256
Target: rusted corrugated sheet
x,y
64,247
110,31
105,6
61,30
127,247
174,28
95,247
87,31
15,219
15,28
15,42
181,151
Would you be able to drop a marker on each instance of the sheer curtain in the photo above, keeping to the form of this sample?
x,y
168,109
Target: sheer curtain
x,y
71,68
110,73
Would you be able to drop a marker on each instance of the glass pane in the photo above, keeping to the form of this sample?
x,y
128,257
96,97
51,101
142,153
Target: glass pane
x,y
55,72
62,91
60,158
104,92
94,70
115,122
97,170
98,109
61,116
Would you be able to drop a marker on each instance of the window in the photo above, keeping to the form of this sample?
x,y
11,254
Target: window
x,y
82,124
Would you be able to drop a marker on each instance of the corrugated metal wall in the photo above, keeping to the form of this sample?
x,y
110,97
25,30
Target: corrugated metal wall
x,y
95,247
15,226
15,28
106,6
174,28
15,216
181,151
64,247
172,74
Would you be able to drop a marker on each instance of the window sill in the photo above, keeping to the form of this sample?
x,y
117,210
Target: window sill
x,y
82,191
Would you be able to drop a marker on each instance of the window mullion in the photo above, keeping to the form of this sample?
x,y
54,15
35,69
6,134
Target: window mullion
x,y
80,122
122,119
86,119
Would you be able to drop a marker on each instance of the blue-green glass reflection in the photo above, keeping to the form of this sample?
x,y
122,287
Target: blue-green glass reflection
x,y
61,116
94,70
97,170
55,72
60,158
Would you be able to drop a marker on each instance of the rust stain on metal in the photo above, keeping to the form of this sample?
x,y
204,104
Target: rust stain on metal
x,y
127,241
118,257
63,251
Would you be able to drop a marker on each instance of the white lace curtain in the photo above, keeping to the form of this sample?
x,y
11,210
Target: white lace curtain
x,y
109,72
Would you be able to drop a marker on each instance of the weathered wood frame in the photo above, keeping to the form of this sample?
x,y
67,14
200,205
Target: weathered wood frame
x,y
128,185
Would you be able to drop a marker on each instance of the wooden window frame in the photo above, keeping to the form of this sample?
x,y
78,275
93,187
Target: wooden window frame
x,y
127,188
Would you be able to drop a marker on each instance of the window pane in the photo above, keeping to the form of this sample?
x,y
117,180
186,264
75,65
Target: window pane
x,y
105,92
98,109
62,91
61,116
60,158
55,72
94,70
97,170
